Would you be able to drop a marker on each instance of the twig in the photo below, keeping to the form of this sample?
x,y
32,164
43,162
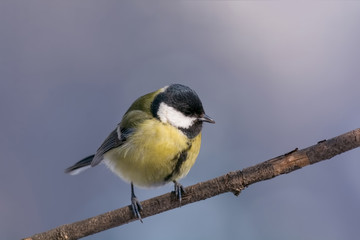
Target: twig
x,y
233,182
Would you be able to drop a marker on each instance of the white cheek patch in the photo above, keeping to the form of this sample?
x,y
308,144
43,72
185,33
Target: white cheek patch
x,y
172,116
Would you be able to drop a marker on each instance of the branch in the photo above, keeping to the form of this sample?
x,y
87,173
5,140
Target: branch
x,y
231,182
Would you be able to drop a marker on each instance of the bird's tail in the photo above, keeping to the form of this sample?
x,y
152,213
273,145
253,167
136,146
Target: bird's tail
x,y
80,166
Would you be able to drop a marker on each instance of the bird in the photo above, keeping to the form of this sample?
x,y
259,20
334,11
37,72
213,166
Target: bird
x,y
156,142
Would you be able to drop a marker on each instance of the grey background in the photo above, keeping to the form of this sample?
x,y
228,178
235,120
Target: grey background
x,y
274,76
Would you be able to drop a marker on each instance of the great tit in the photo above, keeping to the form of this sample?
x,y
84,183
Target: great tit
x,y
156,142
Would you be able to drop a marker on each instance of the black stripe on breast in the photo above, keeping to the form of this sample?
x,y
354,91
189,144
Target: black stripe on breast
x,y
180,159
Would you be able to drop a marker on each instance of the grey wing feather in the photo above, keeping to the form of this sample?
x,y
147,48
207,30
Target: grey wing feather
x,y
112,141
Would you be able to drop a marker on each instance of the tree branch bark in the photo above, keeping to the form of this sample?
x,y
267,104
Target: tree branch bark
x,y
233,182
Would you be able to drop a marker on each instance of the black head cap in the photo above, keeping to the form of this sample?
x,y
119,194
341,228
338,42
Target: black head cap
x,y
186,101
181,98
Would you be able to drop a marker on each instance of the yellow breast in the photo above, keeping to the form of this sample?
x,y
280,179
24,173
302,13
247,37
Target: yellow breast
x,y
150,155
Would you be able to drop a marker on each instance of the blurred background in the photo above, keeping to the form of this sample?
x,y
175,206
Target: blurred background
x,y
274,76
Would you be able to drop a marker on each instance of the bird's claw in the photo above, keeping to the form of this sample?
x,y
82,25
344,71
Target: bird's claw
x,y
179,191
136,208
135,204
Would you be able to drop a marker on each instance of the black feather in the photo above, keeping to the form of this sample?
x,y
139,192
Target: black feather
x,y
80,164
180,158
112,141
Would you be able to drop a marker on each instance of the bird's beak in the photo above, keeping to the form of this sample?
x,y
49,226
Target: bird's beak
x,y
206,118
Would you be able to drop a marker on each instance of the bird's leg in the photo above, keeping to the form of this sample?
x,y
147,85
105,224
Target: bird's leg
x,y
179,190
135,204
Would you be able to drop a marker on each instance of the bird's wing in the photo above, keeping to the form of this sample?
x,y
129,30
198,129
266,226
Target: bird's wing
x,y
112,141
119,135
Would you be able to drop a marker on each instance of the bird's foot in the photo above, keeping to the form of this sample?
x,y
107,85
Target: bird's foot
x,y
136,207
179,191
135,204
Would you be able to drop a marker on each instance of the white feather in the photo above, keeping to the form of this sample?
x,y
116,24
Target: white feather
x,y
79,170
174,117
